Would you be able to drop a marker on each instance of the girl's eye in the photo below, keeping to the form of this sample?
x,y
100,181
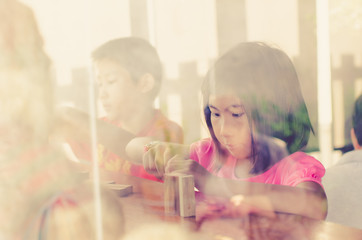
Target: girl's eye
x,y
215,115
237,115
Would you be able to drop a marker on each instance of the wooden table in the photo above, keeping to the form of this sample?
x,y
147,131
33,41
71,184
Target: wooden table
x,y
145,205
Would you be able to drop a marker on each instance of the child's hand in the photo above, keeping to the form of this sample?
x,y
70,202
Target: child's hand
x,y
257,204
238,206
158,154
188,167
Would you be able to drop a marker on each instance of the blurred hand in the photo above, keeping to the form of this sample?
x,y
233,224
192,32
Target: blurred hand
x,y
238,206
244,205
188,167
159,154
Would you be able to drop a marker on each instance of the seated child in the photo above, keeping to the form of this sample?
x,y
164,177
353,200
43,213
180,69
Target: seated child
x,y
251,97
128,73
343,180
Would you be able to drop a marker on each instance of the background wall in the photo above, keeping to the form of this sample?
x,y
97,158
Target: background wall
x,y
190,34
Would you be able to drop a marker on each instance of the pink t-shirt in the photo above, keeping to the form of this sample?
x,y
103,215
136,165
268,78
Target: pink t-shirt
x,y
291,170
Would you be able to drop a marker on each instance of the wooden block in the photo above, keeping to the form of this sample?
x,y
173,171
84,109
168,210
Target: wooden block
x,y
179,195
186,196
170,194
120,189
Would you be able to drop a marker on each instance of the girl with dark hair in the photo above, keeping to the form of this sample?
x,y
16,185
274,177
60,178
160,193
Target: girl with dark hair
x,y
266,106
259,125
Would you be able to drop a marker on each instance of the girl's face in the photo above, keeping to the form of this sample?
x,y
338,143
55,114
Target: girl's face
x,y
230,124
116,90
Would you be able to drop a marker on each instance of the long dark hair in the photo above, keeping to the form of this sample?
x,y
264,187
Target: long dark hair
x,y
266,81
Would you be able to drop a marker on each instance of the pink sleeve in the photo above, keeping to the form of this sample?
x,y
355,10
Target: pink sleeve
x,y
303,168
202,152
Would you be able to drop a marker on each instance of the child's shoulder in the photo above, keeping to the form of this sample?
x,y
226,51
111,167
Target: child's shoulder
x,y
303,165
303,158
296,168
203,145
165,128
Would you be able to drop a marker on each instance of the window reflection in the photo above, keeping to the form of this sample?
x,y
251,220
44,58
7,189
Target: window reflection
x,y
188,37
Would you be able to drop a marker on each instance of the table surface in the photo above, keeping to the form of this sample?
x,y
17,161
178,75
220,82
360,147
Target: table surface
x,y
145,205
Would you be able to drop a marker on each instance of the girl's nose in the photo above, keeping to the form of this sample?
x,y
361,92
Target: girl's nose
x,y
225,128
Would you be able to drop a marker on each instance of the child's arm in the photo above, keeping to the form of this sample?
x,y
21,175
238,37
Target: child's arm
x,y
155,155
121,142
308,199
111,136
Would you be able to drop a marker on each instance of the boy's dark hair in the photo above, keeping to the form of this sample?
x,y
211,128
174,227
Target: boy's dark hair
x,y
357,119
135,55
